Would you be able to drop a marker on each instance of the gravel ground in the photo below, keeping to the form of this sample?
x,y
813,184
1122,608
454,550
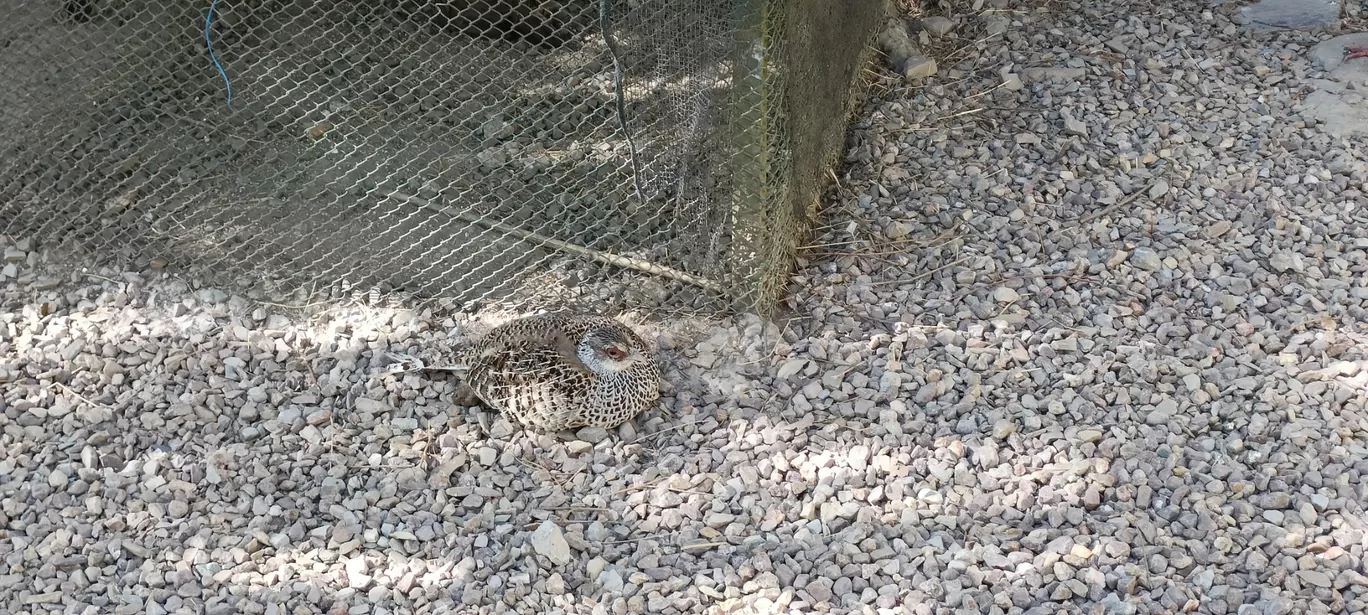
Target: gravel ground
x,y
1084,334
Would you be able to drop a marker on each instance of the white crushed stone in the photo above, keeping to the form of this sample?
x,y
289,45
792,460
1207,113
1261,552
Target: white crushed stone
x,y
1097,346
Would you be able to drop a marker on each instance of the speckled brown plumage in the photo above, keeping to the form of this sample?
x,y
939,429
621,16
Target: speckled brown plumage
x,y
554,372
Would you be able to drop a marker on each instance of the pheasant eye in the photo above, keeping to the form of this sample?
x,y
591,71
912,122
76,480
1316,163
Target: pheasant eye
x,y
614,352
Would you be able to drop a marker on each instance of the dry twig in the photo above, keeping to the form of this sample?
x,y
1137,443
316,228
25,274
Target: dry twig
x,y
604,257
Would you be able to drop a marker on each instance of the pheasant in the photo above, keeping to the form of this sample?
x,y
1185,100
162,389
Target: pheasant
x,y
1355,52
555,372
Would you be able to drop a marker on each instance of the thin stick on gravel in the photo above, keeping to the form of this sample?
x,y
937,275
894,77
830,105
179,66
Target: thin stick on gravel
x,y
960,114
75,394
1003,280
604,257
639,538
986,92
701,546
295,307
903,245
640,487
831,244
1119,204
665,430
972,45
918,278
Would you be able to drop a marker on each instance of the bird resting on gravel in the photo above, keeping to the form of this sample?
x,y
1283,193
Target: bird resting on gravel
x,y
556,372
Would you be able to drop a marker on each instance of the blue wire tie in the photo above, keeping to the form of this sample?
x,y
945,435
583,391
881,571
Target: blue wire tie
x,y
208,42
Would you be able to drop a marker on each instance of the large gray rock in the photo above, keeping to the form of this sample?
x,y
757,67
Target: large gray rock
x,y
1336,103
903,53
1329,54
1291,14
547,540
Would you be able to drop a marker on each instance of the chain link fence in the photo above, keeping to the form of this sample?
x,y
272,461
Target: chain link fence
x,y
467,151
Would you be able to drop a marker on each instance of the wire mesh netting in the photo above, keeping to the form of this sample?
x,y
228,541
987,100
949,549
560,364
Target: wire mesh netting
x,y
467,151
